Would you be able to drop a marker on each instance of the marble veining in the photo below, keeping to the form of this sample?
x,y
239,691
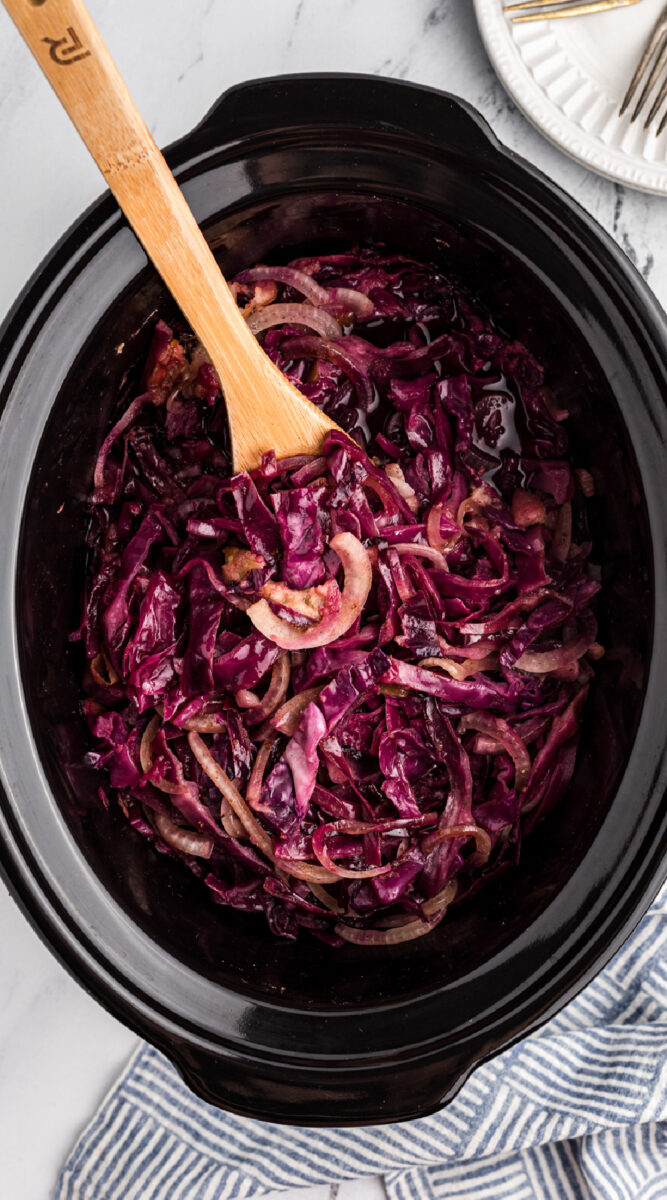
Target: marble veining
x,y
59,1051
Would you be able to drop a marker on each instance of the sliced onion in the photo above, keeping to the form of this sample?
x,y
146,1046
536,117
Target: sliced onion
x,y
394,689
341,609
274,695
145,756
464,669
295,637
483,744
296,314
199,845
358,578
229,820
285,720
206,723
421,551
568,673
322,853
395,473
309,872
480,648
263,293
506,737
360,827
99,664
539,662
556,410
290,277
350,300
325,898
388,937
256,780
442,900
433,533
258,836
476,502
449,833
347,300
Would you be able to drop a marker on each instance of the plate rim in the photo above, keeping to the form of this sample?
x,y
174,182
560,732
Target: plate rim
x,y
612,163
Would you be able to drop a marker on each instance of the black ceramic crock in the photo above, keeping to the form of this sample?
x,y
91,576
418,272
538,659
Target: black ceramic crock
x,y
302,1032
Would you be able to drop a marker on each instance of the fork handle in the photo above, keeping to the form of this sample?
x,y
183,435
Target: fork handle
x,y
579,10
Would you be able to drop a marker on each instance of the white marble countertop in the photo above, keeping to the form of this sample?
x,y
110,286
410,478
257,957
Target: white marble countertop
x,y
59,1051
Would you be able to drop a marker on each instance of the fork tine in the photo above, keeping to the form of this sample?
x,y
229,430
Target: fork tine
x,y
662,125
653,43
653,76
658,102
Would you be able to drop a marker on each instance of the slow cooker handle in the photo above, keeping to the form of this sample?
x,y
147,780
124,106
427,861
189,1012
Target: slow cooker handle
x,y
365,102
318,1096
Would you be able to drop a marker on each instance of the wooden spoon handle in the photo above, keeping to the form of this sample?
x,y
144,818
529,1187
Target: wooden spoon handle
x,y
75,60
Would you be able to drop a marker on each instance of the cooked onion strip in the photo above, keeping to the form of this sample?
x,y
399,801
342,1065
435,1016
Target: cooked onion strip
x,y
145,756
103,672
254,787
463,669
309,872
442,900
395,473
540,662
256,833
506,737
286,718
450,833
340,609
422,552
326,898
388,937
206,723
295,314
274,696
199,845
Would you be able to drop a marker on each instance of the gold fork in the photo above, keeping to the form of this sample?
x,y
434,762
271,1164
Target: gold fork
x,y
651,65
546,9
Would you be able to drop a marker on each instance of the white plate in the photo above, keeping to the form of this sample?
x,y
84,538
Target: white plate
x,y
569,77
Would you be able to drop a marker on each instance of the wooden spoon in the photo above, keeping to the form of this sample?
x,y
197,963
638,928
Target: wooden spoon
x,y
265,411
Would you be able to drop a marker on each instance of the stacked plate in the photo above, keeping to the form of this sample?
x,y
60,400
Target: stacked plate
x,y
569,77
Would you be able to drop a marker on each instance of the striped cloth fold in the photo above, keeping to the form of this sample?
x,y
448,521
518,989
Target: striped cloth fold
x,y
577,1111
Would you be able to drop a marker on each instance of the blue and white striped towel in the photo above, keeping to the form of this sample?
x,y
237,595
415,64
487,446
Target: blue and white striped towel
x,y
577,1111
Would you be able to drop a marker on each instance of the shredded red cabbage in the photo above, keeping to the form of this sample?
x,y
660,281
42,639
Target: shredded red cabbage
x,y
342,688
